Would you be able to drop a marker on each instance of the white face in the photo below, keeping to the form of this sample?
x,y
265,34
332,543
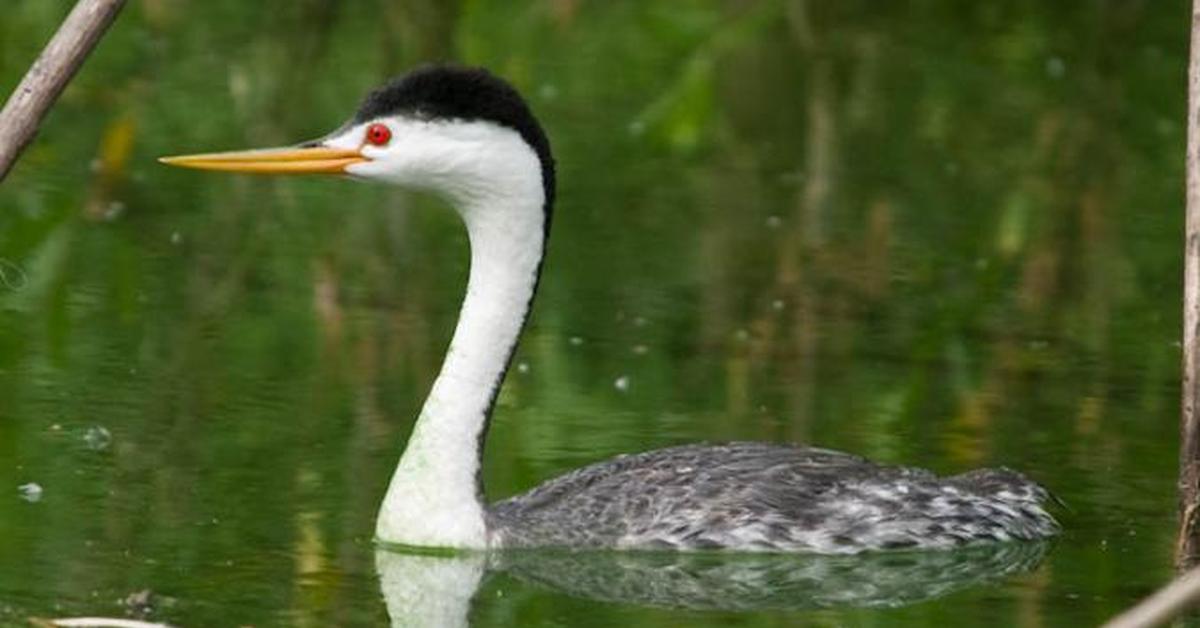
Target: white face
x,y
466,161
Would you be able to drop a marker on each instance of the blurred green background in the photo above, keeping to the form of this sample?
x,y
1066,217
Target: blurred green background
x,y
933,233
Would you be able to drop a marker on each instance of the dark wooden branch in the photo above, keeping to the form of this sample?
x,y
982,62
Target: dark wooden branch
x,y
67,50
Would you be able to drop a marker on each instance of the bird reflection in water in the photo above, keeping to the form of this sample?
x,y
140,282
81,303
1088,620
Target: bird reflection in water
x,y
423,589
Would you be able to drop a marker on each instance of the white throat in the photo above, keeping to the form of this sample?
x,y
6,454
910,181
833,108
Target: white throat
x,y
434,498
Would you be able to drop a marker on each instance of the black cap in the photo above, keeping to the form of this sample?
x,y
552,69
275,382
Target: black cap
x,y
461,93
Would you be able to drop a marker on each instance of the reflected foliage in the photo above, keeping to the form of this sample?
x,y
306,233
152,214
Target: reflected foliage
x,y
934,234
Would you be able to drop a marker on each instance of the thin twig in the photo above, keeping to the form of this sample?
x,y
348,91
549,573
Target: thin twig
x,y
94,622
1164,605
62,57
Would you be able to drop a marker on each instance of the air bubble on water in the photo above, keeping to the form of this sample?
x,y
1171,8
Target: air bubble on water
x,y
742,335
97,438
777,305
114,210
30,492
1056,67
522,367
621,383
774,221
640,349
575,341
176,237
12,276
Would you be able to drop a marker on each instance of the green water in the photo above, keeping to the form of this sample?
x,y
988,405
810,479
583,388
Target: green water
x,y
938,235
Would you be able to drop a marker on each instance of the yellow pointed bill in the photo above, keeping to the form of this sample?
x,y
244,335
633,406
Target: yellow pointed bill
x,y
292,160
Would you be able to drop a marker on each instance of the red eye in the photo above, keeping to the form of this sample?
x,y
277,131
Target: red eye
x,y
379,134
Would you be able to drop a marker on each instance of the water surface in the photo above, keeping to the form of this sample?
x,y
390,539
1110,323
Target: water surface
x,y
946,237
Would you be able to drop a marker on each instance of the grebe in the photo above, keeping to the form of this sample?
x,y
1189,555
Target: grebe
x,y
468,136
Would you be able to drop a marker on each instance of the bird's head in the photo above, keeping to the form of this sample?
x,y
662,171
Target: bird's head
x,y
460,132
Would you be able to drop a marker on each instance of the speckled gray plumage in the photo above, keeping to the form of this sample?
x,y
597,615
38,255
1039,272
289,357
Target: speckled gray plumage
x,y
767,497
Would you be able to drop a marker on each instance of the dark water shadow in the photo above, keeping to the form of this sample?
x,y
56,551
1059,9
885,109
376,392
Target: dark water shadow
x,y
421,589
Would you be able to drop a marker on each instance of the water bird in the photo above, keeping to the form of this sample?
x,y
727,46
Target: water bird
x,y
468,136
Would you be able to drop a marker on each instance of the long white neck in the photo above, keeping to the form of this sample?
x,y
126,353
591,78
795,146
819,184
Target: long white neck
x,y
434,498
